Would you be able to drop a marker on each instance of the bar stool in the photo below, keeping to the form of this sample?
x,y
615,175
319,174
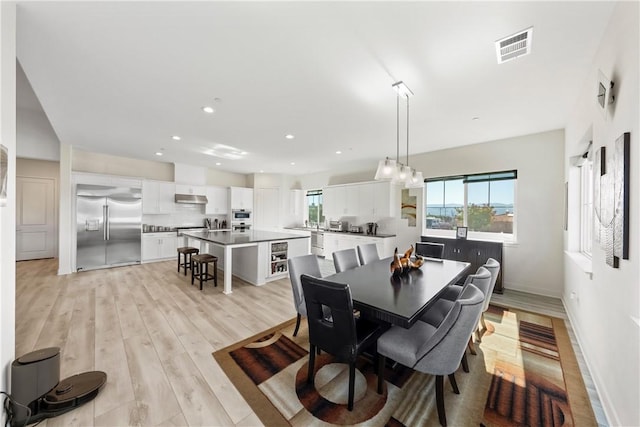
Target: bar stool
x,y
188,252
200,268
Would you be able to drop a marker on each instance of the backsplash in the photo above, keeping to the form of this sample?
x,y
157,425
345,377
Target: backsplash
x,y
183,215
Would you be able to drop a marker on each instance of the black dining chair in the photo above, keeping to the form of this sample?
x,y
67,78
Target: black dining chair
x,y
430,250
337,332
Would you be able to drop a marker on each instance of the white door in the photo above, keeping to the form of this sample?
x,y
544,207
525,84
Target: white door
x,y
35,218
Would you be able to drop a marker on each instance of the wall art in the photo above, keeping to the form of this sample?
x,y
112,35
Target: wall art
x,y
408,207
611,200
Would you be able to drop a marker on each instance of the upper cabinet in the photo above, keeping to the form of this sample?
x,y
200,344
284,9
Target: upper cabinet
x,y
218,201
158,197
199,190
369,199
241,198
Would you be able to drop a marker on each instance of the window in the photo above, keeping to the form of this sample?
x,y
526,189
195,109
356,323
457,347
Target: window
x,y
586,205
482,202
315,216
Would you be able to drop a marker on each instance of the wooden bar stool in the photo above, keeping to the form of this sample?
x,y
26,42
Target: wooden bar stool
x,y
200,268
188,252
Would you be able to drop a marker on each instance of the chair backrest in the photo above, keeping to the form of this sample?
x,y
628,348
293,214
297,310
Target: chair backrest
x,y
368,253
430,250
332,330
482,281
345,259
494,268
442,352
305,264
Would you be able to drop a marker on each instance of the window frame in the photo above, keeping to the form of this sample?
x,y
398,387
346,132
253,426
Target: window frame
x,y
314,193
476,178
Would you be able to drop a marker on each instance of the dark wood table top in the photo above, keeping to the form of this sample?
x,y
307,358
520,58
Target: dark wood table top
x,y
399,300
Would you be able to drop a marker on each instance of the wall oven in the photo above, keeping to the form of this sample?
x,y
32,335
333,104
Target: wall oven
x,y
240,215
240,226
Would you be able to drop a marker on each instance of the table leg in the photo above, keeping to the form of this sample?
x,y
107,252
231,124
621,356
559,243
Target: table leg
x,y
227,270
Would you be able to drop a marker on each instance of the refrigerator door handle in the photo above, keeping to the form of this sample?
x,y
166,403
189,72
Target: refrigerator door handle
x,y
107,223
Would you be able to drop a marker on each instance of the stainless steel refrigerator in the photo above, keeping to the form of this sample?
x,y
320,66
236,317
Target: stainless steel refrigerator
x,y
109,226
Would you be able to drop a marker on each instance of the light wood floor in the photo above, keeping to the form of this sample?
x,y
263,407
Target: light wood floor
x,y
152,333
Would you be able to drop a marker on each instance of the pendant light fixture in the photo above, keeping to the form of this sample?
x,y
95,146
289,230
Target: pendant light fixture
x,y
393,170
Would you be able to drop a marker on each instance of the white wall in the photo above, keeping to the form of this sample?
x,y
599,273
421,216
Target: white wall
x,y
534,263
35,136
85,161
605,310
8,212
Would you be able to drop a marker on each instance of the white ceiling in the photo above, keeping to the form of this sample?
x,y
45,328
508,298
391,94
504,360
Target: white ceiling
x,y
121,78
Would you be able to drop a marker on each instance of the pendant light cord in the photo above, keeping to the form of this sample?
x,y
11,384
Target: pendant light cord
x,y
407,131
397,127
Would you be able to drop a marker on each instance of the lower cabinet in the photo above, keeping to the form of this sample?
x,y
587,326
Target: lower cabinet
x,y
159,246
477,252
337,241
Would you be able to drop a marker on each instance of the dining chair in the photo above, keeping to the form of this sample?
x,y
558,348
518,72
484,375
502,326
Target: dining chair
x,y
439,310
305,264
494,268
435,350
345,259
338,334
430,249
368,253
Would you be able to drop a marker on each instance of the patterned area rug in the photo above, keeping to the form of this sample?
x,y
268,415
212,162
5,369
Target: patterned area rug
x,y
524,374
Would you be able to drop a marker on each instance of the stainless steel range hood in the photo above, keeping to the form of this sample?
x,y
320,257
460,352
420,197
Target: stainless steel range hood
x,y
191,199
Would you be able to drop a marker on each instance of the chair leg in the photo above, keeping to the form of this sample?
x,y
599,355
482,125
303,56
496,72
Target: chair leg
x,y
454,384
440,400
203,272
352,383
465,365
472,347
381,362
484,325
295,332
478,334
179,263
215,274
193,272
312,361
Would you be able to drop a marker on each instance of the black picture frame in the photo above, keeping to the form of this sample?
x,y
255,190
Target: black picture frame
x,y
461,233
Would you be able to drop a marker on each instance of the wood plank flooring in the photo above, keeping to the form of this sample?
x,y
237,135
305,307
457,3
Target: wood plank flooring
x,y
153,334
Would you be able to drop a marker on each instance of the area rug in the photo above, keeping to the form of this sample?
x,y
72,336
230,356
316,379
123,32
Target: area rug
x,y
524,374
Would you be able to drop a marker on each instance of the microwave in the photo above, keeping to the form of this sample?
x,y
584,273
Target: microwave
x,y
240,215
338,225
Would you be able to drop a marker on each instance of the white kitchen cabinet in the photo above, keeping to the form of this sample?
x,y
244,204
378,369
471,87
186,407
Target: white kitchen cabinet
x,y
158,246
218,201
376,199
296,202
199,190
266,212
158,197
241,198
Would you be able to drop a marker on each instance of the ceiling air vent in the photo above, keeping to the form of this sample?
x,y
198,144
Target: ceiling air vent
x,y
514,46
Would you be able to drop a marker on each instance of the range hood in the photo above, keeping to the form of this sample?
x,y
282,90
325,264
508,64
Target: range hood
x,y
191,199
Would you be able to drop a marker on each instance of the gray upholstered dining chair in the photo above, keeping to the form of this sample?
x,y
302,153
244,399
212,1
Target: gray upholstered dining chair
x,y
494,268
368,253
439,310
345,259
305,264
435,350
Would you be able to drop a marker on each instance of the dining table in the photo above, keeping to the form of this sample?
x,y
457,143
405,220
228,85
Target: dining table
x,y
399,299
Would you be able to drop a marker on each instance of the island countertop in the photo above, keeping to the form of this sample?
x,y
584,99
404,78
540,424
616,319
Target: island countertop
x,y
226,238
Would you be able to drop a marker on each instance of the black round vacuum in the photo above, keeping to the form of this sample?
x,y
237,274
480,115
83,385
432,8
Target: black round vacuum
x,y
38,393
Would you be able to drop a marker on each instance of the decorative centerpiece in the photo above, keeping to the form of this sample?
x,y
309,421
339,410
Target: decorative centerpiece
x,y
404,264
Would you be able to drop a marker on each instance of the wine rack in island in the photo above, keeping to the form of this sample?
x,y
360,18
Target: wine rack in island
x,y
278,258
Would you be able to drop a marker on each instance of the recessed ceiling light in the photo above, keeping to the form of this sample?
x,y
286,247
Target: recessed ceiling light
x,y
208,109
293,163
243,153
159,153
218,163
261,171
475,118
289,136
338,152
176,138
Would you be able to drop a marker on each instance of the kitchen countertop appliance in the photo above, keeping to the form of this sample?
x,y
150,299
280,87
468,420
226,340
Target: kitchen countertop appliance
x,y
108,226
338,226
372,228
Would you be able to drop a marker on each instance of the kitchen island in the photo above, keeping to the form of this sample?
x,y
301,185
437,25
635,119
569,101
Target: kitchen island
x,y
256,256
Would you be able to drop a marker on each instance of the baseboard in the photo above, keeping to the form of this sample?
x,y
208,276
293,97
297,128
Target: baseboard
x,y
609,412
530,290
